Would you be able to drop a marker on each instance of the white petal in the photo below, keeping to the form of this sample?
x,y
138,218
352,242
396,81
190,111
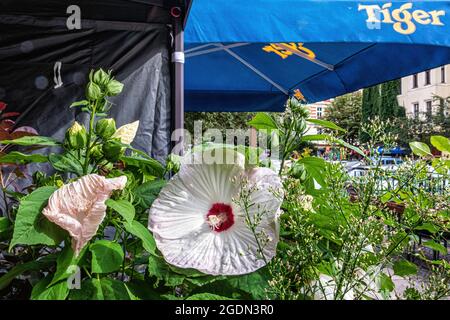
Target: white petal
x,y
127,132
179,225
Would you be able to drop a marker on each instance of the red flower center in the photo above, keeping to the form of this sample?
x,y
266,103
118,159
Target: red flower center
x,y
220,217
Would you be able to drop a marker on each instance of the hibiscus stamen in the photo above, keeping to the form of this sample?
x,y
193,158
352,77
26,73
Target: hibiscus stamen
x,y
220,217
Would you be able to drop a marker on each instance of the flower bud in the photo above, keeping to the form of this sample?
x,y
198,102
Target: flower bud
x,y
93,91
76,136
101,77
105,128
112,150
114,87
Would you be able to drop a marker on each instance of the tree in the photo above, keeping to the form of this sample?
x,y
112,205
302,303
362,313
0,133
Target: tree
x,y
345,111
371,101
389,107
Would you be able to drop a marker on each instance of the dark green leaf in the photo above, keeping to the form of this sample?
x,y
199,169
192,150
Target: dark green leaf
x,y
404,268
386,283
42,290
21,158
5,225
66,163
158,268
100,289
31,226
207,296
150,166
254,283
435,246
28,266
147,192
107,256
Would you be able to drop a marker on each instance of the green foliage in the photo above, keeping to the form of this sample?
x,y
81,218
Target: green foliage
x,y
122,207
107,256
138,230
404,268
31,227
42,290
19,158
346,111
420,148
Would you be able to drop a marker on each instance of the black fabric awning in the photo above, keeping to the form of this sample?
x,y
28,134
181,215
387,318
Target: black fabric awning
x,y
151,11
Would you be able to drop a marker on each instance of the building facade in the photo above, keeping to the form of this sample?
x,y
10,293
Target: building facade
x,y
418,91
317,111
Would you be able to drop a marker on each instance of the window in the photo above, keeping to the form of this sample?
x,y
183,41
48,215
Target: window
x,y
416,109
319,112
415,81
443,74
427,77
429,109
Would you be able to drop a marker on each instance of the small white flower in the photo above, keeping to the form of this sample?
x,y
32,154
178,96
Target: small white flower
x,y
127,132
197,225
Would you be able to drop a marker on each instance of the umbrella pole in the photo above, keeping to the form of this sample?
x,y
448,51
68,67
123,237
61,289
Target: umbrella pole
x,y
178,60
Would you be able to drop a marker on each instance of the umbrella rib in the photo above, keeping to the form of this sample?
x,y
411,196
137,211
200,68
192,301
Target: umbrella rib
x,y
254,69
305,56
202,52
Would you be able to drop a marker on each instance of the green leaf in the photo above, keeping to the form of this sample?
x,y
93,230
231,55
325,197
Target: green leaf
x,y
139,230
66,163
65,263
21,158
100,289
263,121
427,226
326,124
42,263
147,192
122,207
420,149
31,226
42,290
107,256
79,103
149,166
404,268
4,224
32,141
158,268
435,246
254,283
207,296
315,167
386,283
441,143
316,137
349,146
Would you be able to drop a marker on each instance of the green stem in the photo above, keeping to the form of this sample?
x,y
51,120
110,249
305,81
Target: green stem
x,y
89,138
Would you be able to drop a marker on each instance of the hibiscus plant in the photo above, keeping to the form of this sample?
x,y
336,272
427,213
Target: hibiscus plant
x,y
109,222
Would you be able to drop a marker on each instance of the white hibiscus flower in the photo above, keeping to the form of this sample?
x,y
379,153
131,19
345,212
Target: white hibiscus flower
x,y
197,223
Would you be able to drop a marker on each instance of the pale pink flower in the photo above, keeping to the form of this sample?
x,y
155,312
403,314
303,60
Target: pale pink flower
x,y
79,207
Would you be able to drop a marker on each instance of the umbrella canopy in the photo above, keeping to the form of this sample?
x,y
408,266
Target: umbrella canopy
x,y
250,56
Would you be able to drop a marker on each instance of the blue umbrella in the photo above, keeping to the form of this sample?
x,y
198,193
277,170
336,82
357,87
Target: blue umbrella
x,y
251,55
